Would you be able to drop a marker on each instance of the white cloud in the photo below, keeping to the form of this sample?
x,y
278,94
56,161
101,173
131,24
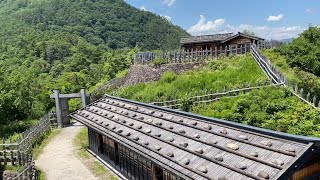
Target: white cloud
x,y
142,8
205,27
166,17
220,26
168,2
309,11
275,18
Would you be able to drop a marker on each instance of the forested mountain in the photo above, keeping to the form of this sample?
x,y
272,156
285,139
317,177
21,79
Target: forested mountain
x,y
67,44
111,23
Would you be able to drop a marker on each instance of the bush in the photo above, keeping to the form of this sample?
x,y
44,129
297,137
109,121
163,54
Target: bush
x,y
304,52
271,108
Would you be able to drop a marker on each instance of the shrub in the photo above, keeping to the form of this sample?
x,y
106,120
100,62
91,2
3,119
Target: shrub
x,y
271,108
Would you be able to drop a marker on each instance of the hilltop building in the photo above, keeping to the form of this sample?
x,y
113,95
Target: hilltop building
x,y
193,43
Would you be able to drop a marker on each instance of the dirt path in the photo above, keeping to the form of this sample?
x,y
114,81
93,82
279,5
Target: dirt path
x,y
58,160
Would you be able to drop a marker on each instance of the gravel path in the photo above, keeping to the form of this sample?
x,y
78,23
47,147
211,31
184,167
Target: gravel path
x,y
58,160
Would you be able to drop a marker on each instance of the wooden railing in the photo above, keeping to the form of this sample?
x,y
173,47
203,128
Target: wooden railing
x,y
17,158
210,96
15,151
277,77
181,56
112,84
25,140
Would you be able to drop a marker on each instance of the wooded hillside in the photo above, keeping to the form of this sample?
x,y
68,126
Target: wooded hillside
x,y
47,44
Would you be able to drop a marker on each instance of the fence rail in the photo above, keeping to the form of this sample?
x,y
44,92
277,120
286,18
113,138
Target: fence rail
x,y
15,151
276,76
24,142
112,84
210,96
181,56
17,158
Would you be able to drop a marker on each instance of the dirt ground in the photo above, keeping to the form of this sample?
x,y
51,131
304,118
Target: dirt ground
x,y
58,160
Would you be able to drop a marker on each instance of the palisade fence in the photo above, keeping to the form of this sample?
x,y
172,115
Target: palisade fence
x,y
17,158
16,151
112,84
277,77
208,96
181,56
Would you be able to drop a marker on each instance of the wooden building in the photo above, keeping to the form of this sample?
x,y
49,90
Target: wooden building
x,y
218,41
143,142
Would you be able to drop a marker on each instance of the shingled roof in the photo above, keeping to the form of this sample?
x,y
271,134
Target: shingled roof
x,y
205,38
216,38
193,146
243,35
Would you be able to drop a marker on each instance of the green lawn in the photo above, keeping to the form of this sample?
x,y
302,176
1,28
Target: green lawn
x,y
217,74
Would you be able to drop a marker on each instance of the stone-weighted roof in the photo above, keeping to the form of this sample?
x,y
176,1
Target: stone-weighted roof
x,y
192,146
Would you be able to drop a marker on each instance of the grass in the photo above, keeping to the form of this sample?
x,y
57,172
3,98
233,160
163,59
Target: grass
x,y
272,108
98,169
281,63
13,169
43,141
217,74
303,79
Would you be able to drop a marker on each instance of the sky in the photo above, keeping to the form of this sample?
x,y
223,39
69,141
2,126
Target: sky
x,y
270,19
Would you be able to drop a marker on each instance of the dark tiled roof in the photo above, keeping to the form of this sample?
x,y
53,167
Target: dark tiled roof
x,y
194,146
205,38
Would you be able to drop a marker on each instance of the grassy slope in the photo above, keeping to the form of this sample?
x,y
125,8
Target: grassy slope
x,y
217,74
302,78
271,108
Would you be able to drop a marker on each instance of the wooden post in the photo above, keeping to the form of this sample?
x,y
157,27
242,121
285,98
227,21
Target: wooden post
x,y
215,52
207,53
192,55
58,108
226,51
83,97
301,92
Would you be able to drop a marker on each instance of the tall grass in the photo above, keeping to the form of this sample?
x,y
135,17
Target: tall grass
x,y
215,75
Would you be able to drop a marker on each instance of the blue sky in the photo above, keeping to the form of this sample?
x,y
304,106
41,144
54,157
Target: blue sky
x,y
276,19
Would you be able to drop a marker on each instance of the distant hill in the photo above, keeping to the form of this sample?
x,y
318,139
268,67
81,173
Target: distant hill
x,y
111,23
288,40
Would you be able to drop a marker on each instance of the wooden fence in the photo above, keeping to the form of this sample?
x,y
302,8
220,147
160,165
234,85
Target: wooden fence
x,y
112,84
17,158
277,77
181,56
210,96
15,151
25,140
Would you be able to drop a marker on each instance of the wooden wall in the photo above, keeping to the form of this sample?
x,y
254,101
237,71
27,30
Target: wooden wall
x,y
240,40
307,172
128,162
